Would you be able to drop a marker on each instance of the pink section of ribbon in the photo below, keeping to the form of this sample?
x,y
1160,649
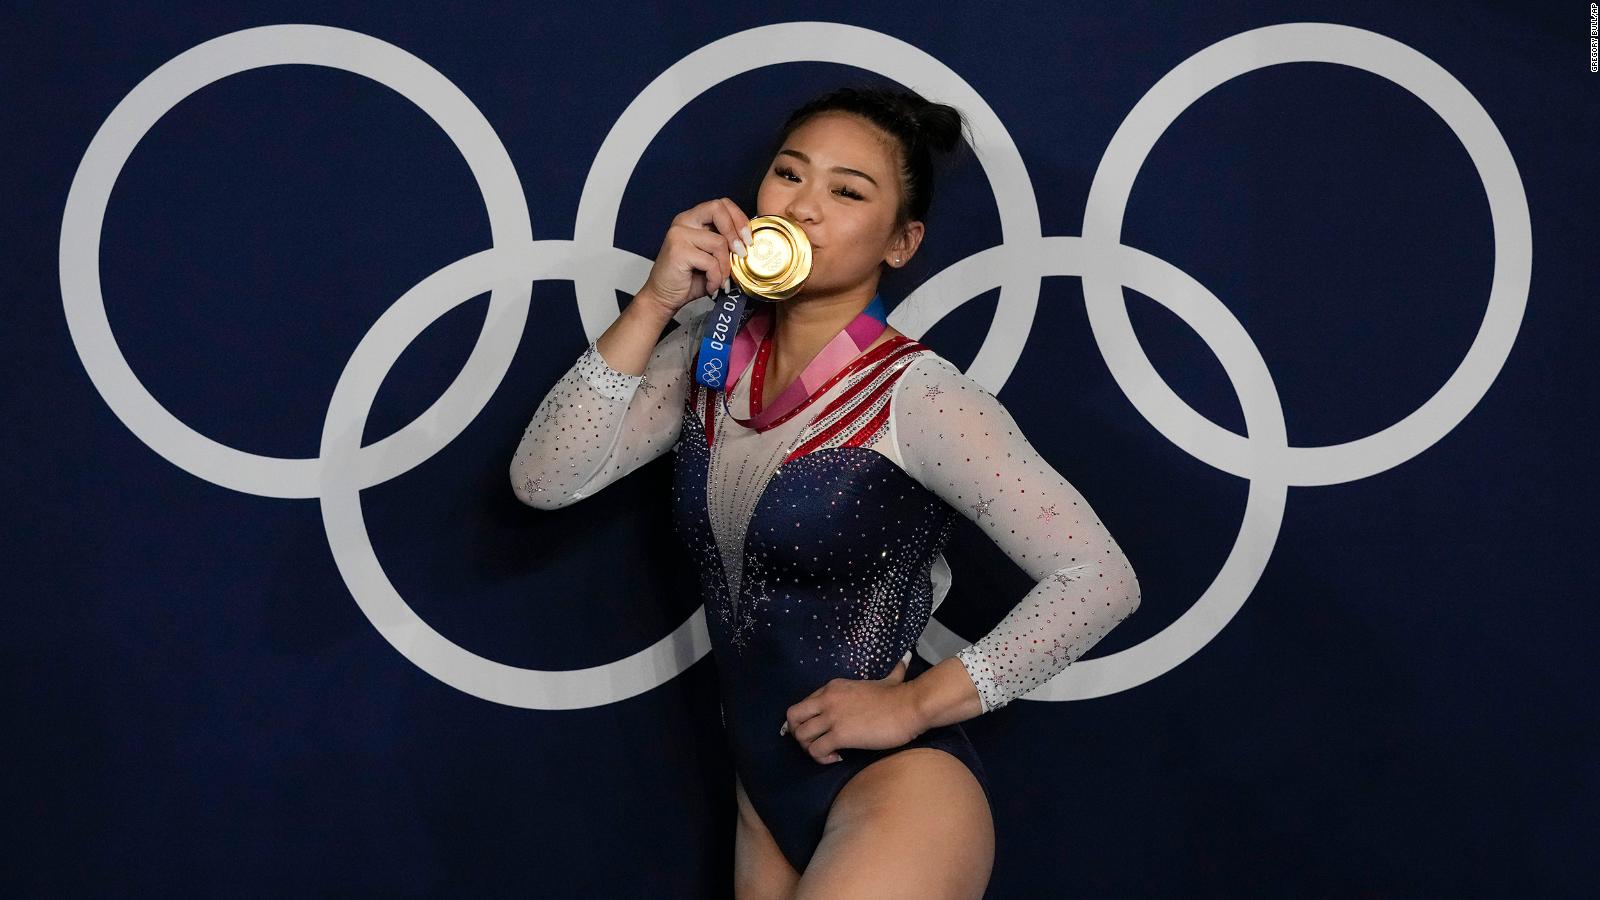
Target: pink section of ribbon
x,y
835,355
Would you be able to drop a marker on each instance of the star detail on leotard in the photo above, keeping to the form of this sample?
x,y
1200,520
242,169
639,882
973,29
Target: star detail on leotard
x,y
982,507
933,391
760,596
552,412
1066,576
533,485
1056,647
1046,513
738,628
645,385
741,617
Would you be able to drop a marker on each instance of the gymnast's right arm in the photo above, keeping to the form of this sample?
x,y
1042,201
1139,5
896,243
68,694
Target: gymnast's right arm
x,y
601,421
621,403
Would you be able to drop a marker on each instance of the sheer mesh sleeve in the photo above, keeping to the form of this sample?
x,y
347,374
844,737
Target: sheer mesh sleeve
x,y
597,424
956,439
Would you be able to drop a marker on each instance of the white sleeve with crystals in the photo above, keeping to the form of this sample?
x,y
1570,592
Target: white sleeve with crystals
x,y
956,439
597,424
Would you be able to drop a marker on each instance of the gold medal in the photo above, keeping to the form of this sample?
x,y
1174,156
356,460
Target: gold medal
x,y
777,260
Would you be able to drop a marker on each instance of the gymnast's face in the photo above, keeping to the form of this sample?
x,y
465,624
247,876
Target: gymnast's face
x,y
848,215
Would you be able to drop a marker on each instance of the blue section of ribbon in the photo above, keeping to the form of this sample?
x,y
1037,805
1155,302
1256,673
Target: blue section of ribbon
x,y
875,309
716,340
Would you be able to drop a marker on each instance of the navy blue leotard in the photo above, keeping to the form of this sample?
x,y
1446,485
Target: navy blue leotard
x,y
836,583
817,540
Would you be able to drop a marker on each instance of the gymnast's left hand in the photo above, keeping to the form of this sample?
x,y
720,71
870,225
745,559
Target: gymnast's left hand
x,y
872,714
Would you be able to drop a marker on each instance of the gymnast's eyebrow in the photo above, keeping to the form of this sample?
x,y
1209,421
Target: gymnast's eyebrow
x,y
847,171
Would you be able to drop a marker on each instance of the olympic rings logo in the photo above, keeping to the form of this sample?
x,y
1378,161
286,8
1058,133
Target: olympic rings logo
x,y
711,370
506,270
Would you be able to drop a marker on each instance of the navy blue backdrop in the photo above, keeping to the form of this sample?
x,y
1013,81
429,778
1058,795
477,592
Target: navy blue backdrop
x,y
1357,671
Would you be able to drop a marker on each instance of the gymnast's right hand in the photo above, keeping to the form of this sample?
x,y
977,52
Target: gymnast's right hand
x,y
693,261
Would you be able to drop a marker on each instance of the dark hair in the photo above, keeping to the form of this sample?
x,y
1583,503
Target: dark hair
x,y
926,132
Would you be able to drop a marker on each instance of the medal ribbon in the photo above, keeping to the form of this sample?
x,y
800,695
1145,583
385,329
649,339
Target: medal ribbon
x,y
755,339
716,338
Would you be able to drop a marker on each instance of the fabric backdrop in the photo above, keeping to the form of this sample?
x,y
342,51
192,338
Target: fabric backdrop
x,y
1300,295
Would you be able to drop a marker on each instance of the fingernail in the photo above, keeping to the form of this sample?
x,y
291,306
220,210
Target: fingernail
x,y
727,285
784,730
738,246
745,231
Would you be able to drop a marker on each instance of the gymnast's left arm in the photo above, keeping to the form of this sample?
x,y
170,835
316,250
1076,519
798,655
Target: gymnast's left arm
x,y
957,439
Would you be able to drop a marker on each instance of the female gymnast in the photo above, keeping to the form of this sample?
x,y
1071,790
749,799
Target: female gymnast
x,y
815,492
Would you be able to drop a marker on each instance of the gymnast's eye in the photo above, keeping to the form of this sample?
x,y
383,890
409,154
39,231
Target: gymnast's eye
x,y
786,172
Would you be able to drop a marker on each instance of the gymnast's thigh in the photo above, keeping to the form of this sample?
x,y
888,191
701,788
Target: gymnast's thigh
x,y
760,870
915,823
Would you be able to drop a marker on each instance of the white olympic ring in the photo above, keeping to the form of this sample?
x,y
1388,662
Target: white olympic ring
x,y
598,269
